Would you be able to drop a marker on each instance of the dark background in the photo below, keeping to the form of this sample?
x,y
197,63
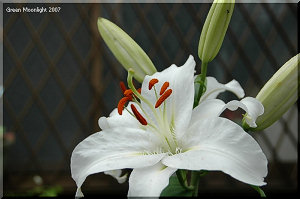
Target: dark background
x,y
59,78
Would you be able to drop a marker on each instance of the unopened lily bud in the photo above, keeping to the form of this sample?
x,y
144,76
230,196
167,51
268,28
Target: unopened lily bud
x,y
214,29
279,93
125,49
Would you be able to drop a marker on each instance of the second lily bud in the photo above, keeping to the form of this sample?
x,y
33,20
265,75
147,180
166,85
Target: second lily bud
x,y
278,94
214,29
125,49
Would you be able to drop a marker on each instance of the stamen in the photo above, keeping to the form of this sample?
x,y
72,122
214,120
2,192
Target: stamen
x,y
139,90
128,92
164,88
152,82
137,94
122,103
122,86
138,116
163,97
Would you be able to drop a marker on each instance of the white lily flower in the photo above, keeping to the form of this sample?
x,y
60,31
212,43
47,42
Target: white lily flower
x,y
163,133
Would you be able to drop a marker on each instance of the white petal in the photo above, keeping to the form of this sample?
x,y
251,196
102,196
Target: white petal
x,y
79,193
117,120
214,107
117,175
214,88
252,106
219,144
207,109
114,148
180,103
149,181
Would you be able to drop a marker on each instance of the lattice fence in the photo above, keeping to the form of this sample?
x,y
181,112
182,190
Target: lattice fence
x,y
59,78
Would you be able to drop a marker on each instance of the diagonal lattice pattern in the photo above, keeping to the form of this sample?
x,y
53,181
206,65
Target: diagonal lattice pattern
x,y
59,78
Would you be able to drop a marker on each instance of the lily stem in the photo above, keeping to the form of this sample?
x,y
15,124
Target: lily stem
x,y
181,175
201,87
195,182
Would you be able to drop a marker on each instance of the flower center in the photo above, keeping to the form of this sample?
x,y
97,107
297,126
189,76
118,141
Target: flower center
x,y
157,119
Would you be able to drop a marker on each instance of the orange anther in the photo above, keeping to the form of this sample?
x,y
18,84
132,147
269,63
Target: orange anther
x,y
122,103
138,116
122,86
164,88
152,82
128,92
163,97
139,90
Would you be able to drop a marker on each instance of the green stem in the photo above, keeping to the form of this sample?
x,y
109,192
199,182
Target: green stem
x,y
181,175
201,87
195,182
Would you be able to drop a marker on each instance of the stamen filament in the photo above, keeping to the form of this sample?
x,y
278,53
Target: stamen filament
x,y
155,93
137,94
163,97
129,112
138,116
152,126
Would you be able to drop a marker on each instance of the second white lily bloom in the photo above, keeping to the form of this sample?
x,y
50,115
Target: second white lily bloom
x,y
163,134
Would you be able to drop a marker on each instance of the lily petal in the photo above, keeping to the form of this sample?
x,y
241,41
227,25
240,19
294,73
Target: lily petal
x,y
214,107
207,109
252,106
214,88
117,120
220,144
149,181
117,175
180,103
113,149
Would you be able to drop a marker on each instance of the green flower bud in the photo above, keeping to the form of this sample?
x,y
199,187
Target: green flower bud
x,y
214,29
125,49
279,93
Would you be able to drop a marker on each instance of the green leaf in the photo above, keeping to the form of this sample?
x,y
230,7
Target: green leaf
x,y
175,189
259,190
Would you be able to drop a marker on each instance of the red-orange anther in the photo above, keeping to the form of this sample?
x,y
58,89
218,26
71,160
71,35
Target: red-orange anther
x,y
139,90
164,88
122,86
163,97
152,82
122,103
128,92
138,116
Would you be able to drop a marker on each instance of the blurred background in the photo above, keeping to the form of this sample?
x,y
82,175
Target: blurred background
x,y
59,78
